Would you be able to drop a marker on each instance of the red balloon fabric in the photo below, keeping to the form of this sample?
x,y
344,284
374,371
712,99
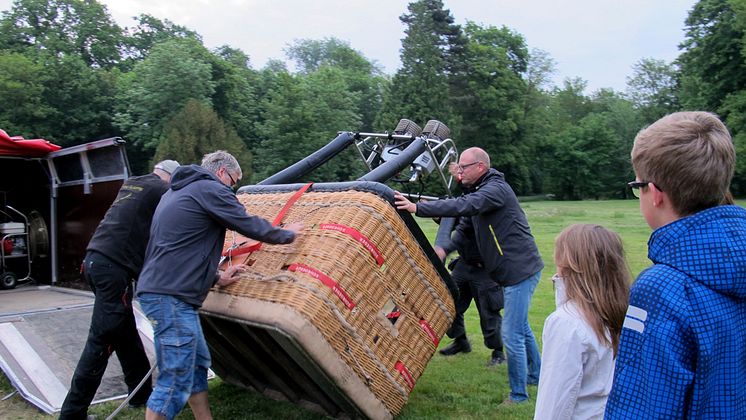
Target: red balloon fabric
x,y
18,146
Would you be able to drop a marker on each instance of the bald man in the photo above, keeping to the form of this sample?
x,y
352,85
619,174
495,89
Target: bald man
x,y
508,253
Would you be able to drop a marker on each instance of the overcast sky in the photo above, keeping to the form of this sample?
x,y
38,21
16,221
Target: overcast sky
x,y
597,40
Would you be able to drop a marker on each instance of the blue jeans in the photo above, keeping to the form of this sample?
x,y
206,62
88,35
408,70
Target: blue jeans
x,y
524,360
181,351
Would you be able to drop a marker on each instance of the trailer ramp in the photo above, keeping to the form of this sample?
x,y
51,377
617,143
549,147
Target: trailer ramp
x,y
42,333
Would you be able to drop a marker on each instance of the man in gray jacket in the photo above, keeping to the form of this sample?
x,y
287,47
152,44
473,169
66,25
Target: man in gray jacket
x,y
181,265
507,250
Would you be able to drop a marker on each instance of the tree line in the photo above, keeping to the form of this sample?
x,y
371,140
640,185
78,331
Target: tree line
x,y
70,74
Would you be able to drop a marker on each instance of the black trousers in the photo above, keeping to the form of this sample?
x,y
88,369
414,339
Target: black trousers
x,y
113,329
475,283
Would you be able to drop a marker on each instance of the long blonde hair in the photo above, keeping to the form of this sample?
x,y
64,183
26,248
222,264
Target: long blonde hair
x,y
590,258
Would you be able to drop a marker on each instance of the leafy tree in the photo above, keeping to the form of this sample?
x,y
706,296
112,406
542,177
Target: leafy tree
x,y
622,117
234,56
62,28
586,153
569,105
159,86
150,31
420,90
491,103
713,68
540,68
235,98
586,161
83,100
302,114
197,130
652,88
310,55
735,107
362,76
712,65
74,46
61,99
22,91
536,127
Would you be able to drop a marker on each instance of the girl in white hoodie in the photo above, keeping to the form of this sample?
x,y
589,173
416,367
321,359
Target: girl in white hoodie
x,y
581,336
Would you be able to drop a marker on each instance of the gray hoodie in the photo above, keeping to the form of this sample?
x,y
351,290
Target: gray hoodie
x,y
188,231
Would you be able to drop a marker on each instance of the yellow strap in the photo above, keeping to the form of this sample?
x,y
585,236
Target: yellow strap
x,y
499,249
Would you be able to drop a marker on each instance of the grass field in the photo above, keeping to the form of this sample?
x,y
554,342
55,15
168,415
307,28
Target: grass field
x,y
451,387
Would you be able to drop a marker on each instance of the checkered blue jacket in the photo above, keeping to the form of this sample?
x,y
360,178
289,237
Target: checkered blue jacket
x,y
683,346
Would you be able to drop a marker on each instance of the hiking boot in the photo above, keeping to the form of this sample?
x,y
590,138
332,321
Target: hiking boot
x,y
459,345
496,359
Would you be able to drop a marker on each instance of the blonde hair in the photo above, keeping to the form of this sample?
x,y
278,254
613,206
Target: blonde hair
x,y
590,258
689,156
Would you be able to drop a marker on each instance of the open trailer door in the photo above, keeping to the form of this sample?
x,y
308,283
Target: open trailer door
x,y
84,180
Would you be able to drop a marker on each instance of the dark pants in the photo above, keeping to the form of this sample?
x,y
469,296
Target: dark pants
x,y
113,329
475,283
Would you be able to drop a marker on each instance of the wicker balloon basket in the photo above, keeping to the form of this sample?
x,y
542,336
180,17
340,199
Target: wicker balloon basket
x,y
346,318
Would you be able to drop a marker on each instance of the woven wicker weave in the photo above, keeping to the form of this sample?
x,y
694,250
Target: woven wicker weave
x,y
372,355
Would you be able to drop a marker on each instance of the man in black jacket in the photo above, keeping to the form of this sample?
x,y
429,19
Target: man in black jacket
x,y
113,260
507,250
473,282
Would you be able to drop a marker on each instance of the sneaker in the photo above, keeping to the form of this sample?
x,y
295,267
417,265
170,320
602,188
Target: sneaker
x,y
137,404
496,359
459,345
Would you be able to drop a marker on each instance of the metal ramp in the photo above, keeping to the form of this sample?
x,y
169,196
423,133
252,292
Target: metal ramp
x,y
42,333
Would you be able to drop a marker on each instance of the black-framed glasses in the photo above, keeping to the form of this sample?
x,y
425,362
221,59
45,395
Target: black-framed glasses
x,y
462,168
636,185
233,181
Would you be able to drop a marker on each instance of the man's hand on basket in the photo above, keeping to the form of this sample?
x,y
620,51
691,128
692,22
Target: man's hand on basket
x,y
294,227
229,275
402,203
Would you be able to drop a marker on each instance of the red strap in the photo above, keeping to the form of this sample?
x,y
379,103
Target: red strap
x,y
328,282
405,373
243,249
429,331
290,203
363,240
256,246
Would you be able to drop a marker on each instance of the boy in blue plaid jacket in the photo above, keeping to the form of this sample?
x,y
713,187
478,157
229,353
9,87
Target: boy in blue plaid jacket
x,y
683,346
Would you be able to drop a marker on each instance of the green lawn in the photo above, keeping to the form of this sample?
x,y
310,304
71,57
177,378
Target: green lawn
x,y
454,387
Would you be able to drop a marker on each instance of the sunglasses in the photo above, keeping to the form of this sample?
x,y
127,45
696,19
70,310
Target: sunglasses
x,y
636,185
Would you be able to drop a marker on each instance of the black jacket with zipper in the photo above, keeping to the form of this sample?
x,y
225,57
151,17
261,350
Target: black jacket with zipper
x,y
503,237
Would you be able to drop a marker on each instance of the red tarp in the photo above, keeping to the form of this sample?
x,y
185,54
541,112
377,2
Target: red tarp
x,y
18,146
